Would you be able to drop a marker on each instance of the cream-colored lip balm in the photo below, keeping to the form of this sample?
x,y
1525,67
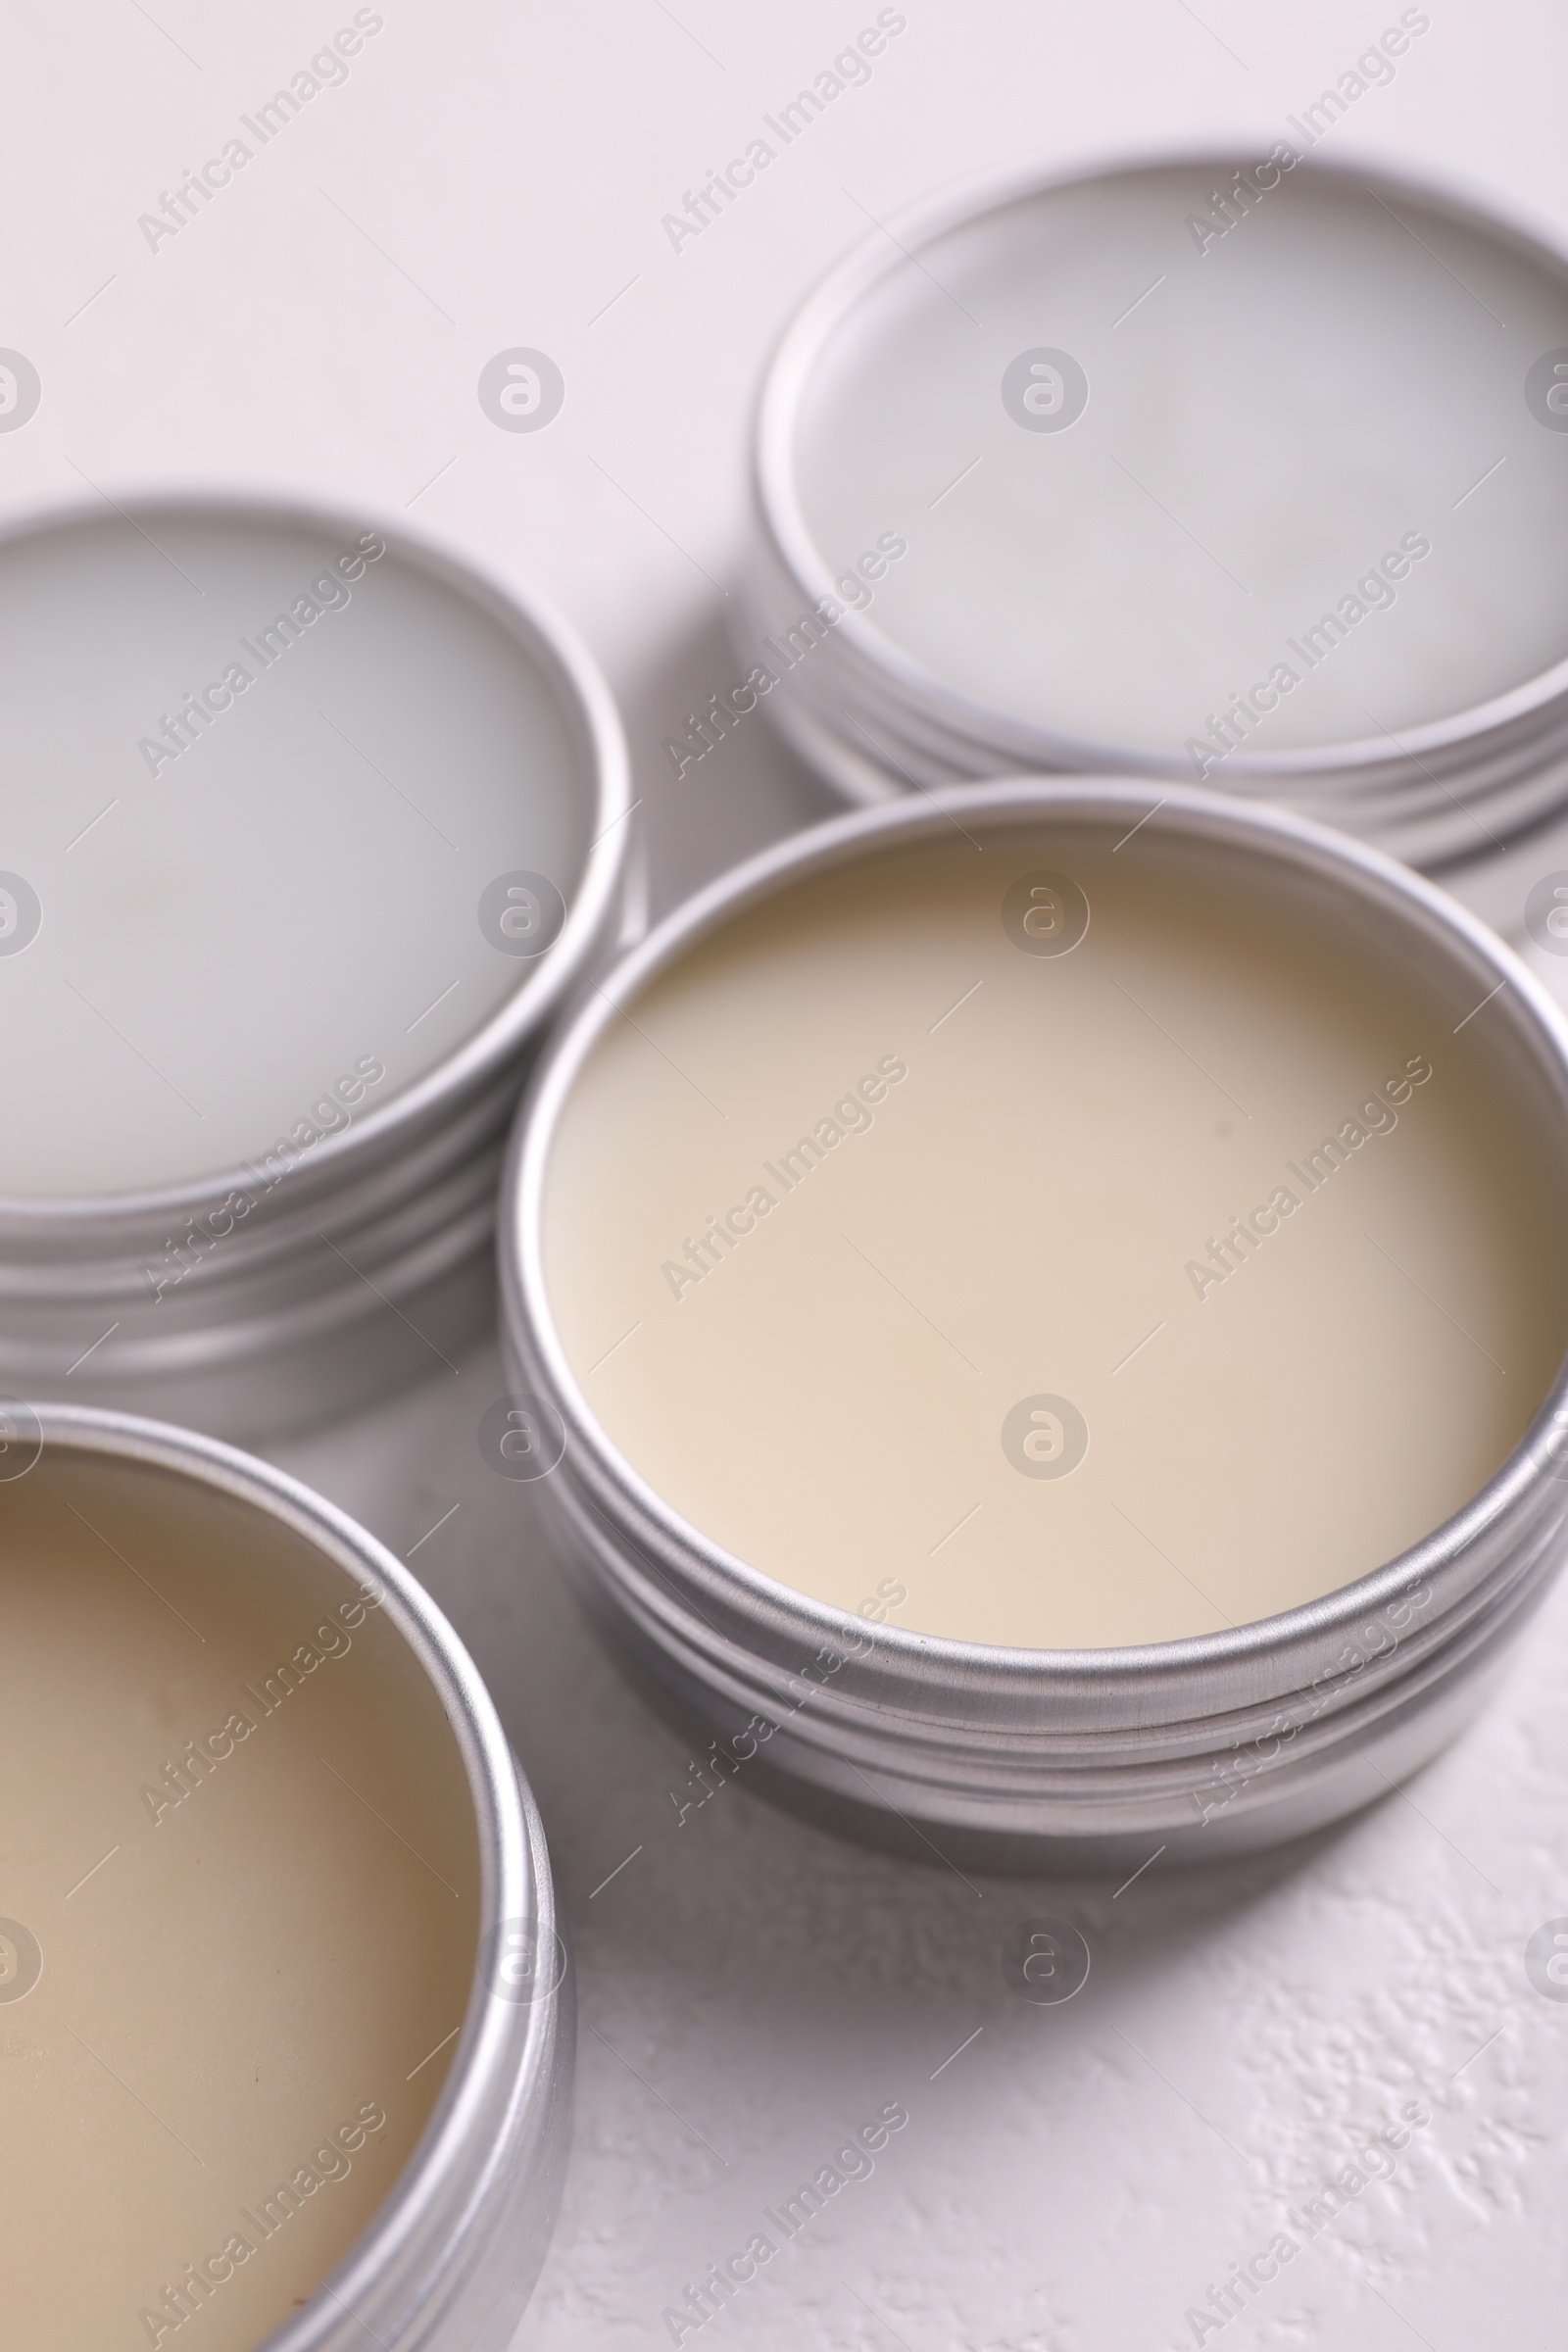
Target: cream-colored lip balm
x,y
1081,1231
239,1871
259,774
1248,460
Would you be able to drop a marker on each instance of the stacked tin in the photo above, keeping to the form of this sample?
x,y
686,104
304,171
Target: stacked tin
x,y
1082,1758
293,875
1207,470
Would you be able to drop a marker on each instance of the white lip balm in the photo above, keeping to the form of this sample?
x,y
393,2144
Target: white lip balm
x,y
240,1877
1252,464
1099,1241
259,774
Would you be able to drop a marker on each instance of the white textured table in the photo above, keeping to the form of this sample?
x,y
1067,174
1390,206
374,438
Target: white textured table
x,y
486,177
1075,2178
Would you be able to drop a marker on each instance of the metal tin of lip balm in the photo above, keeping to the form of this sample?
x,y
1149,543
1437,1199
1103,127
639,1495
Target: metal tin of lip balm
x,y
1265,1717
450,2254
312,827
1181,466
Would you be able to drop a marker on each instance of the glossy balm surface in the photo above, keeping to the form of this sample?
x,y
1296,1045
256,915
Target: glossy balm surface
x,y
240,1873
257,779
1153,446
1101,1245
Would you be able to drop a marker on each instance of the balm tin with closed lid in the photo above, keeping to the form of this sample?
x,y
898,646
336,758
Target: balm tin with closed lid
x,y
280,1971
1053,1305
310,830
1242,469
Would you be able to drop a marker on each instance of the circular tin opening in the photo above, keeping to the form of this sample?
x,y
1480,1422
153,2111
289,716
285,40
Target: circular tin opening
x,y
302,818
243,1886
1262,457
1059,1222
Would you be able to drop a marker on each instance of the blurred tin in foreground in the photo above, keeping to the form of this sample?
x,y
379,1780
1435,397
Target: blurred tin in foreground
x,y
282,1971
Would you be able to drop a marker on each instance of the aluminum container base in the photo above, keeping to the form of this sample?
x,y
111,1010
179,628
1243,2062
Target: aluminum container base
x,y
1049,1762
1264,1821
288,1376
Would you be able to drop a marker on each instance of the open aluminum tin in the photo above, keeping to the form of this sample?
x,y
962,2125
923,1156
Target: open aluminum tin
x,y
876,722
1033,1759
451,2258
285,1320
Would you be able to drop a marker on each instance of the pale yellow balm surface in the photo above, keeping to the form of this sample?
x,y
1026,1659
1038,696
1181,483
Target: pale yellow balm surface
x,y
239,1888
1092,1246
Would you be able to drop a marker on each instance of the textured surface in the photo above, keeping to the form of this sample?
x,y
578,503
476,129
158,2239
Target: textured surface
x,y
1077,2177
489,178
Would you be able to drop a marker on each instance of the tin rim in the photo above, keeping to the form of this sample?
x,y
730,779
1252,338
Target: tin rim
x,y
1515,780
1019,742
491,2052
1508,1499
592,724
